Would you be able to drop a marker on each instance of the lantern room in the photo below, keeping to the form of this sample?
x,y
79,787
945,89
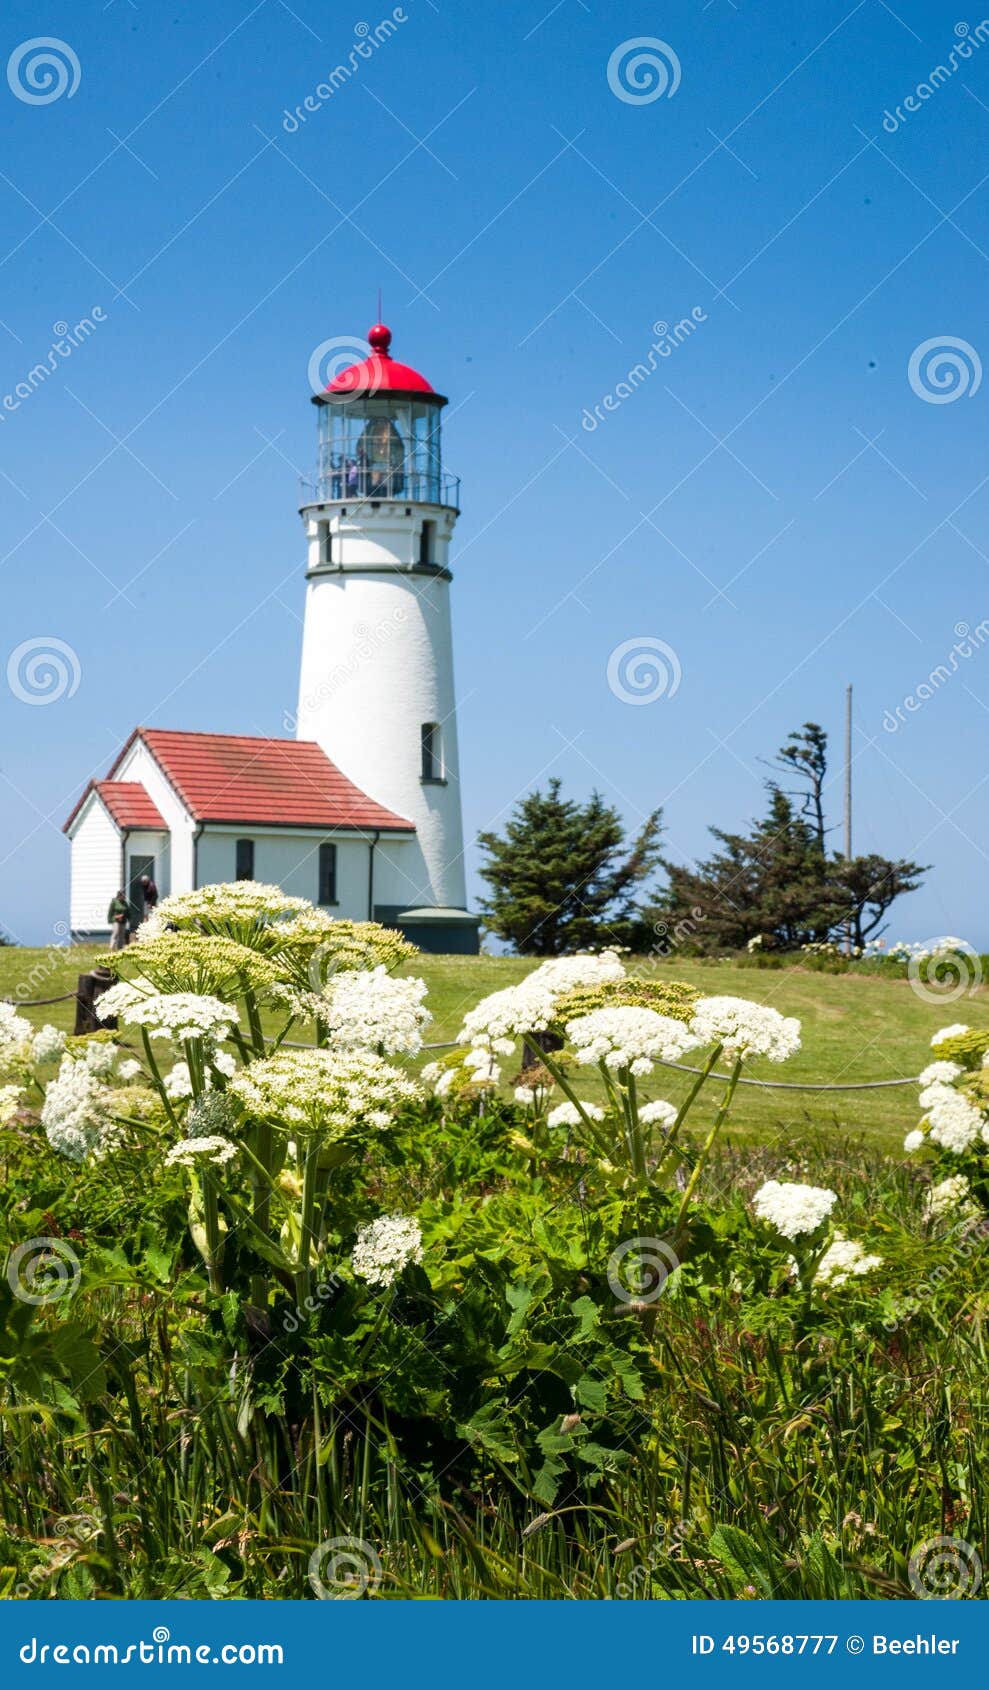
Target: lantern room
x,y
379,433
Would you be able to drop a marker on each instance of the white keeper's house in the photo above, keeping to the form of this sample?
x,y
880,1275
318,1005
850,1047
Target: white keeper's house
x,y
361,812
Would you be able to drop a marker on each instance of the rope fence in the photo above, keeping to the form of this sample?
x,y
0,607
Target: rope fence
x,y
39,1003
681,1067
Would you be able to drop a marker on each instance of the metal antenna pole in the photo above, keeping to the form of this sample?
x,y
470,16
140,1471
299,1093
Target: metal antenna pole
x,y
848,772
848,800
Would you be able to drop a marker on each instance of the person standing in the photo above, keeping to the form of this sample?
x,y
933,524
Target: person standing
x,y
118,915
149,893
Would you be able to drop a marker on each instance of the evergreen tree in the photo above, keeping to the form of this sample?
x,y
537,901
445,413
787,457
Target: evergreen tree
x,y
777,882
563,877
865,887
769,884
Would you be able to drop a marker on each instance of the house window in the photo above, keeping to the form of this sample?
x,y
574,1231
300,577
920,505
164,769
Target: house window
x,y
432,752
427,537
244,867
327,874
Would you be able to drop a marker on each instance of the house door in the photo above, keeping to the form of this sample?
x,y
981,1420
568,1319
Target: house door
x,y
136,866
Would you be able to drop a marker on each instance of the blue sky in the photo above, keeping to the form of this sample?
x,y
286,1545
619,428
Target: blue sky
x,y
776,502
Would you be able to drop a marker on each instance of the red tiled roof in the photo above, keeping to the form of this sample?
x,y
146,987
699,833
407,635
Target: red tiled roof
x,y
269,782
240,779
129,804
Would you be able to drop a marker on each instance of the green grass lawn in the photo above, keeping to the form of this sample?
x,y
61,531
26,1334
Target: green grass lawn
x,y
855,1028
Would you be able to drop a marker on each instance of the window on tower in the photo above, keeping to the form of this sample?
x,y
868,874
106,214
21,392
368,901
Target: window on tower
x,y
327,874
432,753
382,446
427,539
244,860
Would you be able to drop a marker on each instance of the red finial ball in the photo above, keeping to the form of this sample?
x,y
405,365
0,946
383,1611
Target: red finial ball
x,y
380,339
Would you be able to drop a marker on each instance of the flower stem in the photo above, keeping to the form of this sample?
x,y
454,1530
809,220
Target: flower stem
x,y
310,1200
698,1168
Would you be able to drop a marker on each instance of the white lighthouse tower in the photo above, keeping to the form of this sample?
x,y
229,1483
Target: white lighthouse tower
x,y
376,689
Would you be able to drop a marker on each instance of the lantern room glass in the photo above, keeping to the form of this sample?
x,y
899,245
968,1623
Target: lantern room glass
x,y
381,448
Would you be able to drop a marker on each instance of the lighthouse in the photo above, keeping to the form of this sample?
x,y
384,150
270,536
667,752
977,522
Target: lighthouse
x,y
376,689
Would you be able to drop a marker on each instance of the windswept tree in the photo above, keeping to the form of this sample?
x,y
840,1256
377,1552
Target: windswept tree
x,y
778,882
866,887
564,877
766,883
804,758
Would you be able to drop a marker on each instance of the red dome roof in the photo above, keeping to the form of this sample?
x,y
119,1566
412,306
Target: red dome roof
x,y
379,373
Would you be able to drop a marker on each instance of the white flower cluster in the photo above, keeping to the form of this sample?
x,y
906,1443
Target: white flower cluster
x,y
323,1091
531,1097
502,1017
953,1032
629,1037
903,950
952,1197
178,1081
940,1073
568,1115
952,1121
188,1151
369,1010
477,1067
793,1209
10,1102
659,1110
843,1260
100,1058
745,1029
169,1015
385,1247
235,903
119,999
48,1045
75,1112
14,1029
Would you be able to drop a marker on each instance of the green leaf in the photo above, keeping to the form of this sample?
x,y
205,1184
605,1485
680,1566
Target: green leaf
x,y
741,1556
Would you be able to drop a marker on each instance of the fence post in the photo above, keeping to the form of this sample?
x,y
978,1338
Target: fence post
x,y
89,988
